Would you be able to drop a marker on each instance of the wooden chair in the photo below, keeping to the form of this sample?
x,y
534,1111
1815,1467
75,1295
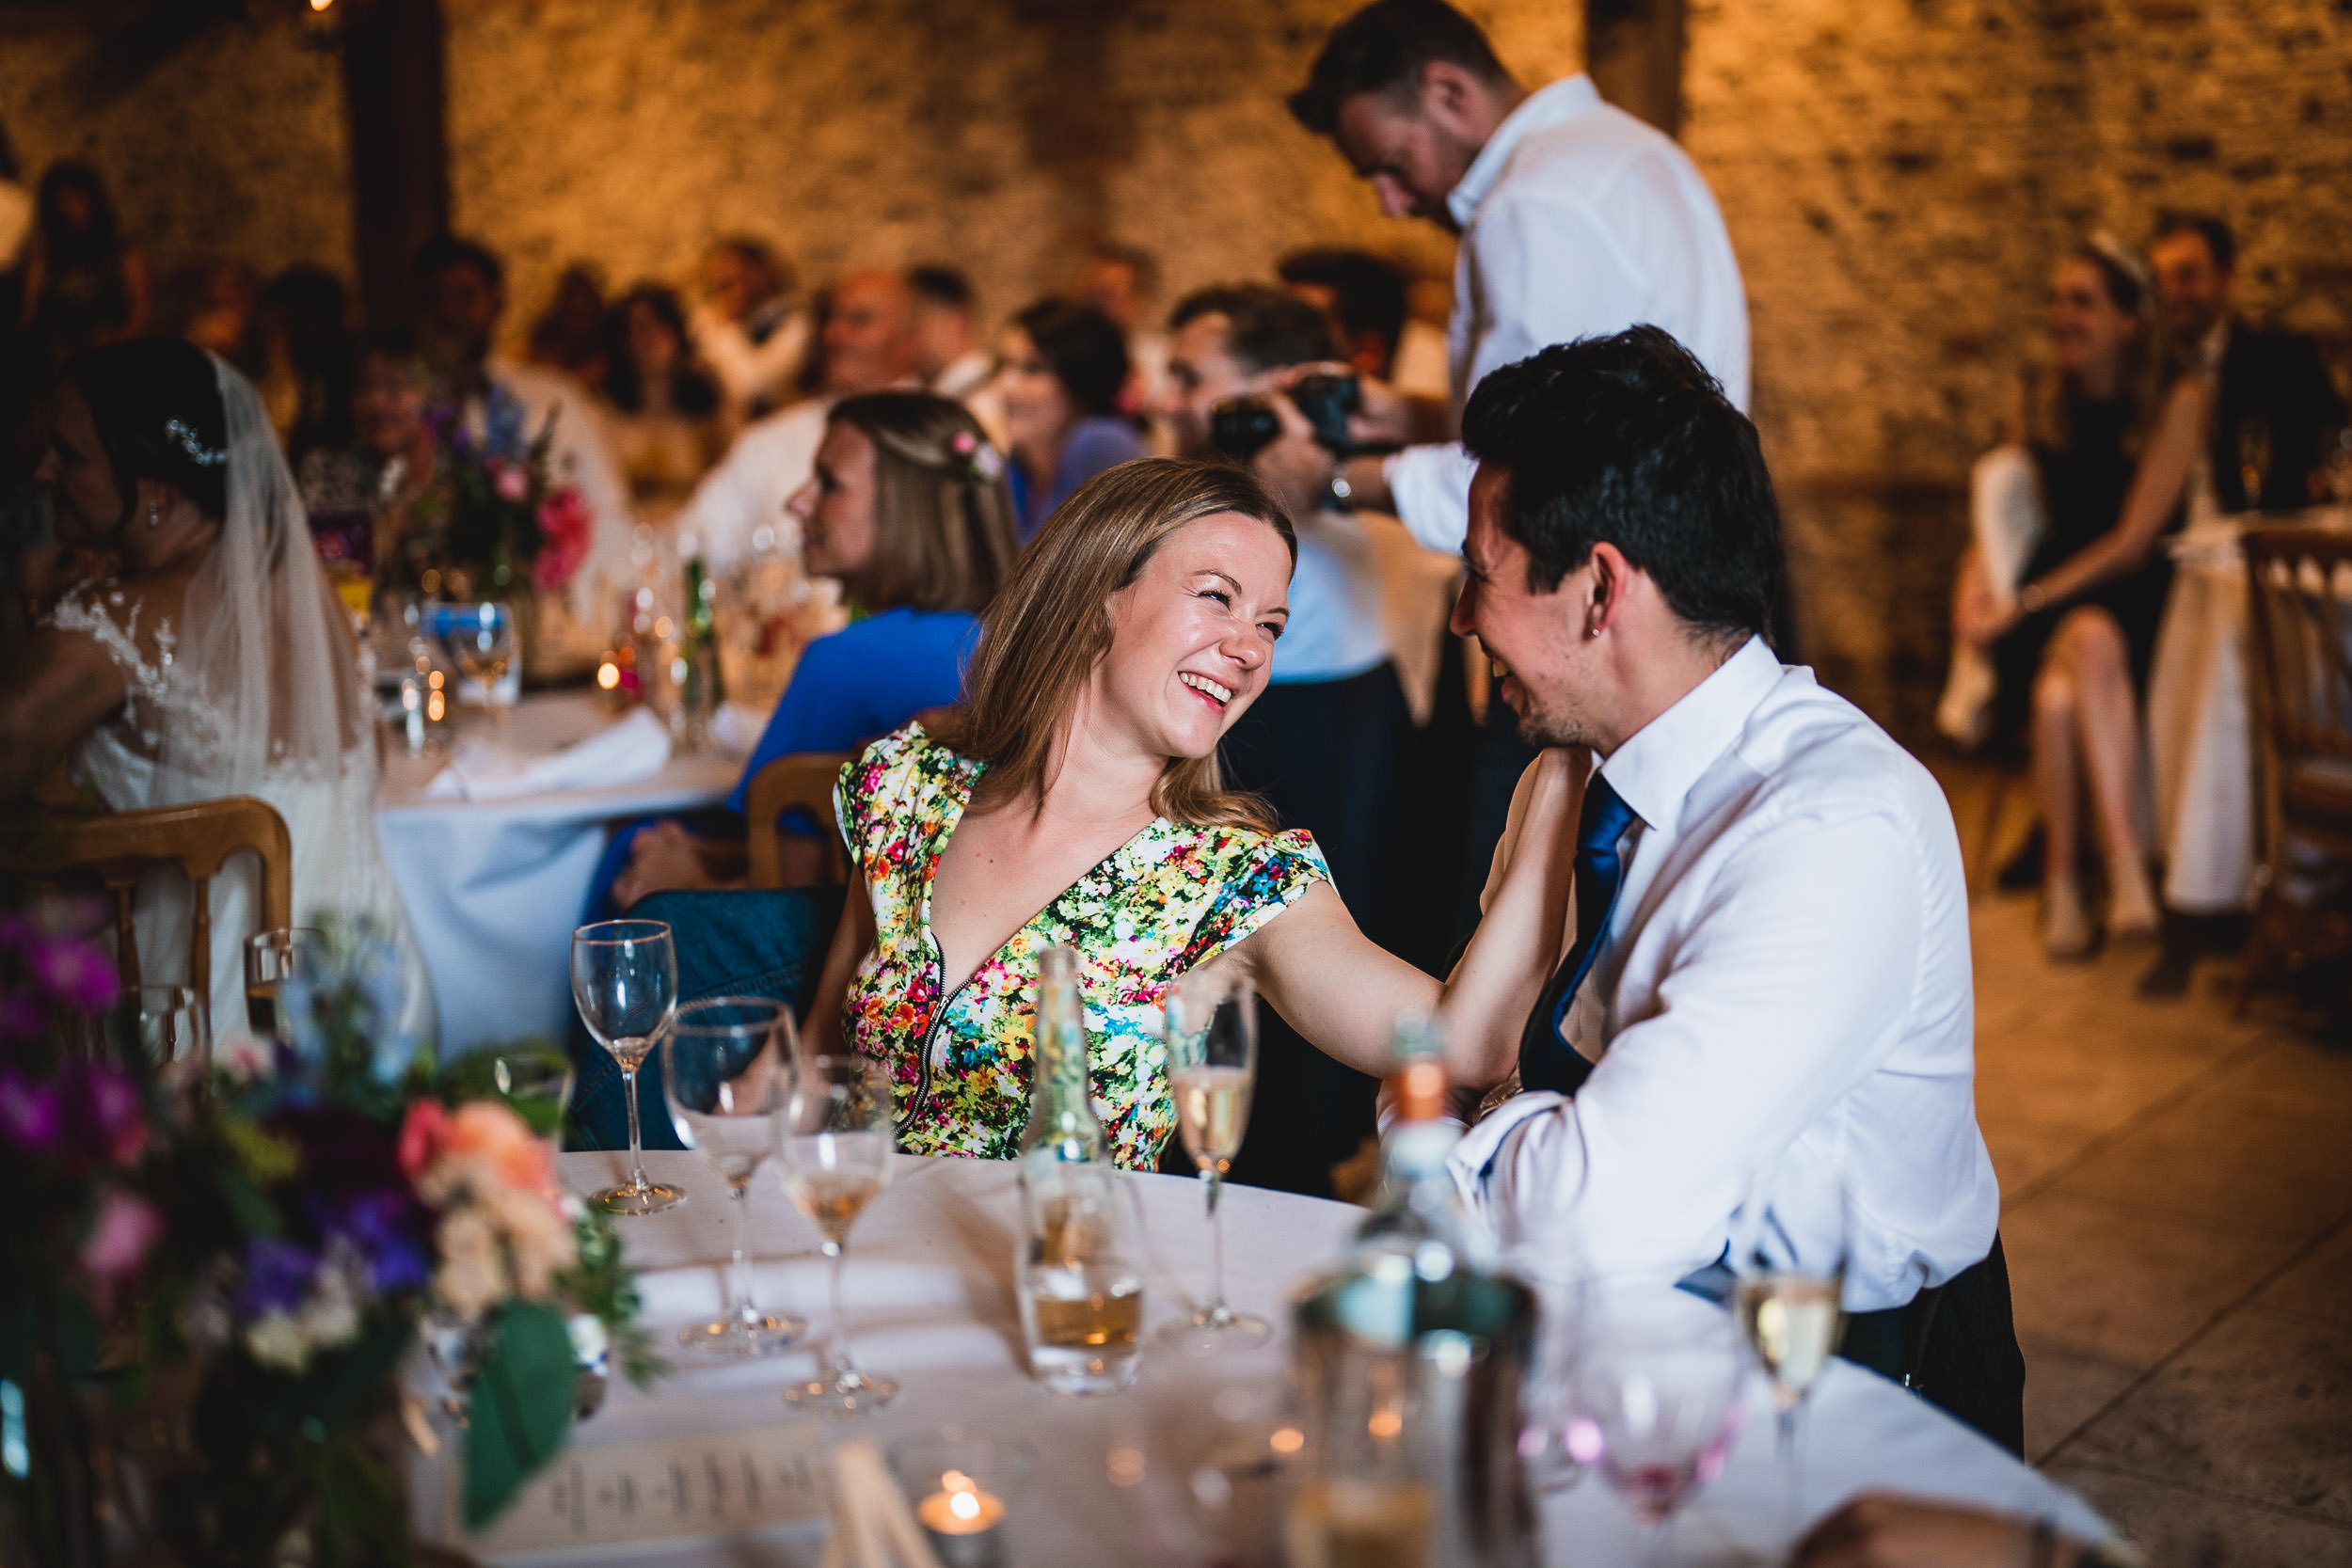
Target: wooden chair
x,y
804,780
2299,602
198,838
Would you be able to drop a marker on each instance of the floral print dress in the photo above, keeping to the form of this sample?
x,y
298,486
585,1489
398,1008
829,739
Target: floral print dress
x,y
1169,900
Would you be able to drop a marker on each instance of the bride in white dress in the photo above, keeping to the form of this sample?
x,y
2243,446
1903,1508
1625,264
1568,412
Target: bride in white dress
x,y
217,661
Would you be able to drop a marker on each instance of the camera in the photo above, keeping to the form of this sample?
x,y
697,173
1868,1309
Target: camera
x,y
1240,428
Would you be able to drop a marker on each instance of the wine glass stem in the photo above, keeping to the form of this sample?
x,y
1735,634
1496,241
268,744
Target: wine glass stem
x,y
637,1181
1217,1313
836,1359
739,1305
1788,1439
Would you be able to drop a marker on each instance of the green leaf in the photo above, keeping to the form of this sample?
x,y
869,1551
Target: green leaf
x,y
522,1405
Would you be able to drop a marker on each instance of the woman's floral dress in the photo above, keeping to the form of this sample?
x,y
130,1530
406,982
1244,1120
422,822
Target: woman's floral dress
x,y
1169,900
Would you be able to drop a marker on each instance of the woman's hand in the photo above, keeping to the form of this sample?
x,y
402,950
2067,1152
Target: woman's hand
x,y
1978,617
664,857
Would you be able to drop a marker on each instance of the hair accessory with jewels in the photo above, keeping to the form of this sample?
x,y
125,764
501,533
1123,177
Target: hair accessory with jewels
x,y
189,442
2124,260
980,457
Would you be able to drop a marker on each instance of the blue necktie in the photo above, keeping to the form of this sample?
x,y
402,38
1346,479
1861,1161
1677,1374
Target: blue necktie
x,y
1546,1061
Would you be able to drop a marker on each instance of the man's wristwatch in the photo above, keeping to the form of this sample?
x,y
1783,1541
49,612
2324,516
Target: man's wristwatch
x,y
1338,494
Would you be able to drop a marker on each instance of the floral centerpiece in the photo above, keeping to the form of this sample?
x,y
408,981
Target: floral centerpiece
x,y
496,515
271,1245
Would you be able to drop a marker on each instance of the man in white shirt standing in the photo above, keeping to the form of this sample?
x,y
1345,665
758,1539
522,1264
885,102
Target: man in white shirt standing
x,y
1765,964
1575,219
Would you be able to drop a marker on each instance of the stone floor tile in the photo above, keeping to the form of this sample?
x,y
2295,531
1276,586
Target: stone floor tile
x,y
2296,1074
2027,1149
2180,1528
2124,1284
2099,1090
2227,1160
2065,1387
2260,1408
2320,1286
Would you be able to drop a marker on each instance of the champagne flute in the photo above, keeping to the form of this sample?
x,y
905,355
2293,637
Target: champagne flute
x,y
481,638
625,983
726,1072
1656,1396
271,958
1212,1035
834,1156
1790,1243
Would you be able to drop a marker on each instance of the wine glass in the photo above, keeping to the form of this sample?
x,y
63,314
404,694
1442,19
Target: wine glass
x,y
726,1074
834,1157
271,958
480,636
1212,1035
1655,1396
1790,1243
625,983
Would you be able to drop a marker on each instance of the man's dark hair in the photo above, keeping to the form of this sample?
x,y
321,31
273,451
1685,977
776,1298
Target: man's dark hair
x,y
1368,293
136,390
1628,440
2216,233
1383,48
1220,298
942,286
444,251
1085,353
1265,327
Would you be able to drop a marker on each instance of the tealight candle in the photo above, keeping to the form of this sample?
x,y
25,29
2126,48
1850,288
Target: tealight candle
x,y
961,1521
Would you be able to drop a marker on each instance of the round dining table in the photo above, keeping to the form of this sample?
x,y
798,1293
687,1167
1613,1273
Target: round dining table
x,y
710,1466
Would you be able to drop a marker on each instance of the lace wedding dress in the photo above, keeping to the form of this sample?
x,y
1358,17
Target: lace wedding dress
x,y
255,690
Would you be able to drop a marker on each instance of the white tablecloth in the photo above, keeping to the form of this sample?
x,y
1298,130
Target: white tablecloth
x,y
494,888
931,1301
2200,728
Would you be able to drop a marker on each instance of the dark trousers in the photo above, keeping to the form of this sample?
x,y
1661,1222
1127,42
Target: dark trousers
x,y
1324,755
1957,1347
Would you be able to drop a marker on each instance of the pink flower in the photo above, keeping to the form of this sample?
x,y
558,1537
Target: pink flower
x,y
421,1134
566,521
76,972
509,480
28,1112
126,1227
114,1108
504,1142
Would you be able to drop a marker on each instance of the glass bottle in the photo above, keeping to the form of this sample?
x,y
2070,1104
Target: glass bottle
x,y
1079,1258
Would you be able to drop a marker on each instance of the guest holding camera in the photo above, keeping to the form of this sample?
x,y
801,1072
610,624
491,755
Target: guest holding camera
x,y
1322,744
1064,367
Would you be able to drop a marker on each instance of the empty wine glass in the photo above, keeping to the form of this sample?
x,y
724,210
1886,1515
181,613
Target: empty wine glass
x,y
1655,1387
271,958
1789,1242
625,983
1212,1034
834,1157
726,1074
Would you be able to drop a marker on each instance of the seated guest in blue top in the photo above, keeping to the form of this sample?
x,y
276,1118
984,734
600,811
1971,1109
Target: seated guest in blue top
x,y
908,509
1064,367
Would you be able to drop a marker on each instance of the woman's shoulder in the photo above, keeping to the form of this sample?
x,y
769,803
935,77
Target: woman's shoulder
x,y
1228,851
908,762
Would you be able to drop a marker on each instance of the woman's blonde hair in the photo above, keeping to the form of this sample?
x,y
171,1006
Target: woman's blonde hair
x,y
943,533
1042,637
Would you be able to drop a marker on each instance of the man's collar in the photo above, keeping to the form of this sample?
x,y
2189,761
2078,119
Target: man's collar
x,y
1547,106
2215,346
1656,770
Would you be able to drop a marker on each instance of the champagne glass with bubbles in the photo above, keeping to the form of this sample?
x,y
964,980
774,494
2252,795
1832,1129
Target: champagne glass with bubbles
x,y
625,983
1212,1035
834,1157
1790,1243
725,1075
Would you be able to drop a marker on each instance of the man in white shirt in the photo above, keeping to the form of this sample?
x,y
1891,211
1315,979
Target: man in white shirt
x,y
1765,964
1575,219
869,342
950,363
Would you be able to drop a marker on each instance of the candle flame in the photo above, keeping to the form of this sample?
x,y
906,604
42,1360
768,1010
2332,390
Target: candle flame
x,y
963,1505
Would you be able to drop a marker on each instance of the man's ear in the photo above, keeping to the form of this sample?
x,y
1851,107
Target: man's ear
x,y
1447,92
1612,576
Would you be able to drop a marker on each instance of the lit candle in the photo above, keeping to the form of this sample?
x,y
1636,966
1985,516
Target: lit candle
x,y
962,1520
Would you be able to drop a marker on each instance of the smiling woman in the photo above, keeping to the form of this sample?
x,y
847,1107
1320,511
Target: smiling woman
x,y
1078,803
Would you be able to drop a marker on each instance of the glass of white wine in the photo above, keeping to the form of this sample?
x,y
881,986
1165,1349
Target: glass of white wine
x,y
1789,1242
726,1071
1212,1035
625,983
834,1156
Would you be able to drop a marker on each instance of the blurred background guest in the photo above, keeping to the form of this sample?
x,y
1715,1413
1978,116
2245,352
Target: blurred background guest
x,y
569,335
86,282
948,356
17,215
1123,282
2106,453
1065,368
360,490
306,357
1367,296
661,408
213,306
748,328
908,513
868,342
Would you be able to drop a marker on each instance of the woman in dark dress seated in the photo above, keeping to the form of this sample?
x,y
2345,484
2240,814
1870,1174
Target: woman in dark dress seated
x,y
2112,453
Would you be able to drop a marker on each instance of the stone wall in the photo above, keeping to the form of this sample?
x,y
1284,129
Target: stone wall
x,y
1898,177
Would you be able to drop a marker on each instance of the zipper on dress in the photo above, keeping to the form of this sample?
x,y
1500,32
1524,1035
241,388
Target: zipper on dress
x,y
931,1034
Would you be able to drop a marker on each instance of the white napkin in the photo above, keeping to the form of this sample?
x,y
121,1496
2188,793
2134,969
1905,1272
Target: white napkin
x,y
631,749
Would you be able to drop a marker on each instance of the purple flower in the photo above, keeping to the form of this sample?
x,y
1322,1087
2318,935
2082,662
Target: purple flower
x,y
381,1224
114,1111
277,1277
28,1112
22,1018
74,971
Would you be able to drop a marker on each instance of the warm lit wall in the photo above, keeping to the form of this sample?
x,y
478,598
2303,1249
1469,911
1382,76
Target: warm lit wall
x,y
1897,174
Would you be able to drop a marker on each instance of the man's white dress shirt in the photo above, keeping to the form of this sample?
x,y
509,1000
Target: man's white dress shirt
x,y
764,468
1577,220
1784,977
753,371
